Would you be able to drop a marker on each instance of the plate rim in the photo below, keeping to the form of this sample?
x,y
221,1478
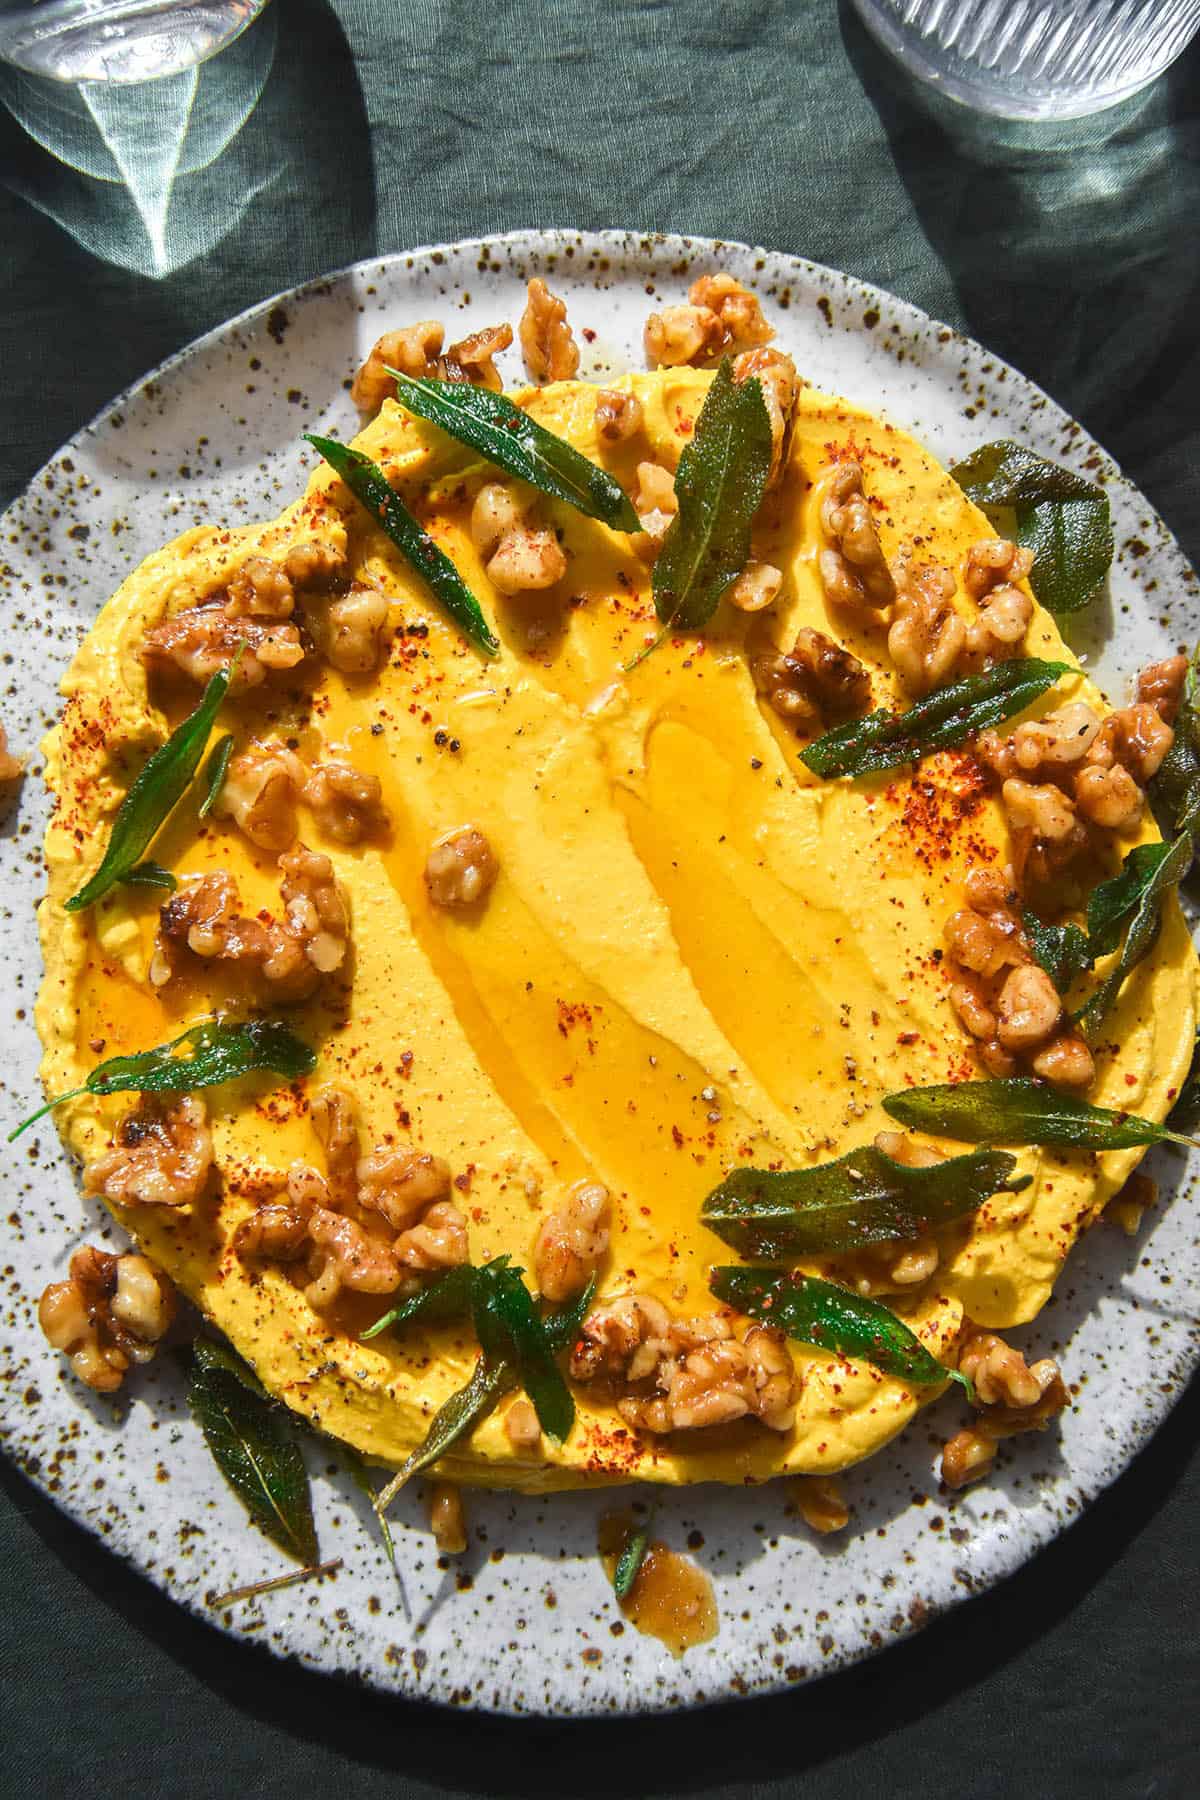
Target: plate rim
x,y
545,244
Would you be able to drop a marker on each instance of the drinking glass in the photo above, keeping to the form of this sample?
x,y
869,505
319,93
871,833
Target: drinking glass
x,y
1034,59
118,40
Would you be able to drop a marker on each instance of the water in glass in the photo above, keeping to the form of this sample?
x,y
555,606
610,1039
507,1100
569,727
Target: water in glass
x,y
1034,59
118,40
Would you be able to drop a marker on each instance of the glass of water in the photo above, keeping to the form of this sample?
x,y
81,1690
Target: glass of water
x,y
1034,59
118,40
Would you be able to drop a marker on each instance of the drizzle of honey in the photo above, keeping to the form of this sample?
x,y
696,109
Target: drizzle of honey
x,y
671,1599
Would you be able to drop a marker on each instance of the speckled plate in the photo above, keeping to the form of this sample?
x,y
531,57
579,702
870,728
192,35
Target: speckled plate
x,y
525,1622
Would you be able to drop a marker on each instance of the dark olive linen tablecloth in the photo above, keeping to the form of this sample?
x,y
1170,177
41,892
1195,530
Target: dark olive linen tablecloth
x,y
1075,255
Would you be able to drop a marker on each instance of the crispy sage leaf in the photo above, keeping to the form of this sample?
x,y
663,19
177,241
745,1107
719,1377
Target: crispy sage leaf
x,y
448,1296
719,485
370,487
151,875
863,1198
509,1330
154,793
1061,517
1175,790
219,1051
1021,1110
818,1312
1062,950
252,1444
629,1563
947,716
491,1380
1155,869
216,767
508,437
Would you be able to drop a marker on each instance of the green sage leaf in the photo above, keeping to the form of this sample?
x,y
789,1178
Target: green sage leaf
x,y
1062,950
510,1330
509,438
219,1051
213,775
863,1198
1061,517
491,1380
1020,1110
447,1296
1156,869
154,793
151,875
628,1564
371,488
719,485
253,1445
833,1318
947,716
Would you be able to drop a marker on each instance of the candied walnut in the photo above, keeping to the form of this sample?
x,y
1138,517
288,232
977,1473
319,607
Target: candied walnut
x,y
999,1372
161,1155
1110,798
854,571
1002,997
1161,684
926,638
203,919
780,384
572,1241
314,909
998,631
331,1110
817,679
447,1519
401,1184
471,358
1046,831
526,561
655,501
1128,1207
1134,738
12,768
317,565
259,795
1054,743
756,588
342,1254
111,1311
347,804
437,1241
350,629
681,334
1066,1061
277,1232
495,513
201,640
738,313
822,1504
461,868
618,416
521,1425
413,350
994,563
260,590
1028,1008
682,1375
967,1457
550,352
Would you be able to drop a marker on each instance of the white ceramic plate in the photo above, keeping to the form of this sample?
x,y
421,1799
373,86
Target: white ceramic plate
x,y
526,1622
